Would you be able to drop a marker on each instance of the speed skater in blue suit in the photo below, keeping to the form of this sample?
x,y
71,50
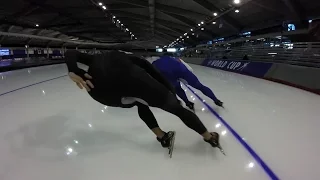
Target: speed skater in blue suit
x,y
176,70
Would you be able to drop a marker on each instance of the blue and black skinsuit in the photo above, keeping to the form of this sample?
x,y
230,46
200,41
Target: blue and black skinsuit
x,y
175,71
116,75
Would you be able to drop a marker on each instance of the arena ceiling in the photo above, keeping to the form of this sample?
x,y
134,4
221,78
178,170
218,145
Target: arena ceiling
x,y
141,23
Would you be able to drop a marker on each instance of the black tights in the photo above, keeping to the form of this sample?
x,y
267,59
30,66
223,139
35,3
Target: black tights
x,y
173,107
145,87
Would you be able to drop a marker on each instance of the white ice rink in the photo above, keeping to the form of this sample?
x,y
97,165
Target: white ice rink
x,y
54,131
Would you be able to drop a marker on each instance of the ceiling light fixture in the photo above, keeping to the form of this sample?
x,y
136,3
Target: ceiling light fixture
x,y
237,11
202,29
191,29
236,1
202,22
100,3
199,24
37,25
214,22
215,14
104,7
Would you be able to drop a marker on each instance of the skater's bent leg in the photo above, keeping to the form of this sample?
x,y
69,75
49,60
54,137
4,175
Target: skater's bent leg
x,y
147,116
194,82
188,118
157,95
180,92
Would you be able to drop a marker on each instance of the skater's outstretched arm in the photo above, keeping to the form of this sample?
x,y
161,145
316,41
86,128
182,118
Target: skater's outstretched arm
x,y
74,56
150,69
77,75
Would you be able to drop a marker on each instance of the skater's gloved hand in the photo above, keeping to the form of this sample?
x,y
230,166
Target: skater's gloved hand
x,y
81,82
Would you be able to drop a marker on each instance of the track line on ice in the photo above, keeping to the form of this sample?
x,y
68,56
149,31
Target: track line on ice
x,y
264,166
31,85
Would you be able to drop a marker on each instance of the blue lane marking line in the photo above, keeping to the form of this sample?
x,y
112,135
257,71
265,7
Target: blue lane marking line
x,y
264,166
31,85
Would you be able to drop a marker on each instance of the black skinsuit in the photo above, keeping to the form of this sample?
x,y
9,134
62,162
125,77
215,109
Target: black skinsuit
x,y
116,75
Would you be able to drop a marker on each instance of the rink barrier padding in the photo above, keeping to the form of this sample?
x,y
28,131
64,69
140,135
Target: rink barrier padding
x,y
291,75
257,158
256,69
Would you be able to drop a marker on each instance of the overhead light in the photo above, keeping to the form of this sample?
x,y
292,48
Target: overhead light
x,y
192,34
37,25
130,32
114,16
237,11
199,24
191,29
236,1
178,39
202,22
180,36
133,35
185,34
100,3
202,29
215,14
127,29
187,37
104,7
182,39
136,38
214,22
121,24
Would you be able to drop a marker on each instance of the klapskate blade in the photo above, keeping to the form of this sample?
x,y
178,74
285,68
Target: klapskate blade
x,y
221,150
172,144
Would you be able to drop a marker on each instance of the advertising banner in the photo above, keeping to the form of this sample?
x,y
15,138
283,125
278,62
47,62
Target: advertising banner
x,y
257,69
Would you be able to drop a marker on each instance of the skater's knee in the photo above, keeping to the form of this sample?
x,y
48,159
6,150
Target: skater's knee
x,y
172,103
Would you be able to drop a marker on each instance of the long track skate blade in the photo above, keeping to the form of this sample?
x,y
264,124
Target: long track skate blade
x,y
221,150
172,144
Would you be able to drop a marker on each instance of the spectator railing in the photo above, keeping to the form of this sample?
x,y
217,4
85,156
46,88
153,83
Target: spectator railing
x,y
304,53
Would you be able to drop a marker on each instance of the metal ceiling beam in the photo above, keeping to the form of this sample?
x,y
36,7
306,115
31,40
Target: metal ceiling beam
x,y
183,19
55,39
120,6
152,14
296,8
23,12
160,7
269,7
212,8
63,25
128,15
7,30
64,13
37,33
180,11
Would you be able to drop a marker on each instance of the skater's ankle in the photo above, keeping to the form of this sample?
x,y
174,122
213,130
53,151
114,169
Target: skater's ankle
x,y
158,132
207,136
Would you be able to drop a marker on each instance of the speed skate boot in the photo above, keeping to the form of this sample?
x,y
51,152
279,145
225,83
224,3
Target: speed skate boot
x,y
214,141
167,141
190,105
218,103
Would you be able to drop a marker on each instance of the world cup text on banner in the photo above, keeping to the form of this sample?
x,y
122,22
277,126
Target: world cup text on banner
x,y
244,67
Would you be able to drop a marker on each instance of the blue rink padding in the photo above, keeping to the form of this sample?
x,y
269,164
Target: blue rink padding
x,y
258,159
256,69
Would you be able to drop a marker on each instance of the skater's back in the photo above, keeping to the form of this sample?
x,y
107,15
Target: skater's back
x,y
170,67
